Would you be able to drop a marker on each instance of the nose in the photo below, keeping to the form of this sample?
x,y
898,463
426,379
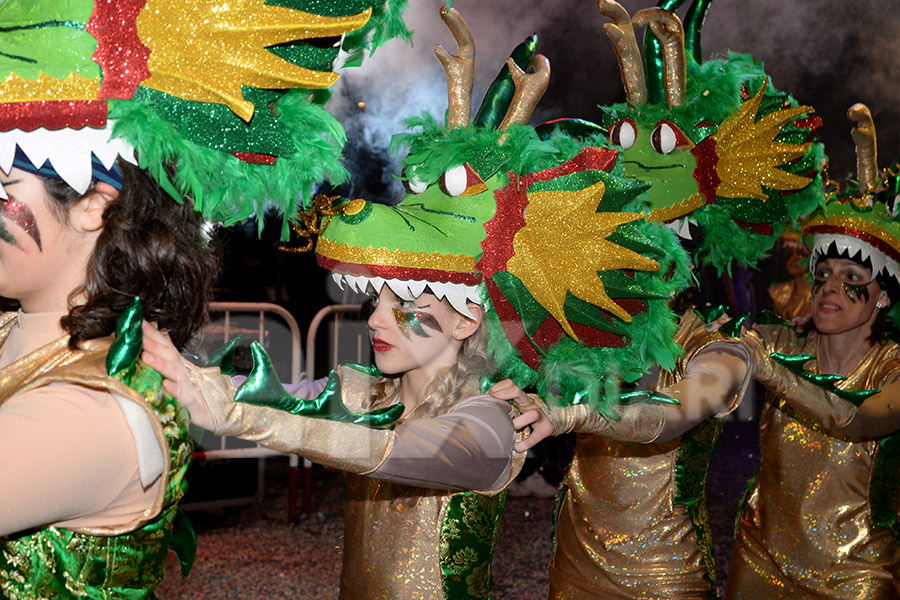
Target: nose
x,y
830,286
377,320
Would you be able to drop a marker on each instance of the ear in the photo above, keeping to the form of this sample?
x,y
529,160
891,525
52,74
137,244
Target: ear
x,y
884,300
87,215
467,326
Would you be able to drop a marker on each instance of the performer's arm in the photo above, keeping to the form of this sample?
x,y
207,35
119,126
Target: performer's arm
x,y
877,416
68,458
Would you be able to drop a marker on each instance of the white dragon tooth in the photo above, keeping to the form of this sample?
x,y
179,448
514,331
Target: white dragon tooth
x,y
417,287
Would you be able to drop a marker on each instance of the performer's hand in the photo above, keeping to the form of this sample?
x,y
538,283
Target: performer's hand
x,y
801,324
715,325
541,428
160,353
532,416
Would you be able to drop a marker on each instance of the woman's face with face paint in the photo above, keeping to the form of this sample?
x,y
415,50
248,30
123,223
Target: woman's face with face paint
x,y
844,296
413,338
41,260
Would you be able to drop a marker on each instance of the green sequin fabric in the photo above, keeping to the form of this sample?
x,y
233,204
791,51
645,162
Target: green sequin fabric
x,y
59,563
468,534
691,466
884,486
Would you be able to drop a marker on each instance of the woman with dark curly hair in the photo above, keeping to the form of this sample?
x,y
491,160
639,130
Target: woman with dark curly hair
x,y
87,458
121,129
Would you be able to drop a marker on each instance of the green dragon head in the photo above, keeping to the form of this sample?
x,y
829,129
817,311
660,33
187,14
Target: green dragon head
x,y
218,91
727,156
534,230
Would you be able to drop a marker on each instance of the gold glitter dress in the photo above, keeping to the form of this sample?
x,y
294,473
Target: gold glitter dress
x,y
108,563
816,521
406,535
632,522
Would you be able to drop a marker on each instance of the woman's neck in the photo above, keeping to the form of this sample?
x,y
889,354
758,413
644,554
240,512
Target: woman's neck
x,y
840,353
412,384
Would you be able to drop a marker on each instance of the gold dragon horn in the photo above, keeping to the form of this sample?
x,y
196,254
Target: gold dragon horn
x,y
460,69
666,26
529,89
621,34
863,134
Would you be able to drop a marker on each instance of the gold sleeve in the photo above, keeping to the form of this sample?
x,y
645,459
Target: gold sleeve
x,y
344,446
824,407
638,422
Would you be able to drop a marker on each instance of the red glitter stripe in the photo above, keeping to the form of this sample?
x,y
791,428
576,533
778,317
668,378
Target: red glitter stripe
x,y
866,237
761,228
403,273
53,114
255,158
705,172
591,158
120,51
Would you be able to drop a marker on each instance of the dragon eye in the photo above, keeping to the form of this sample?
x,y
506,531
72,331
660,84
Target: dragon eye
x,y
892,206
623,133
666,137
413,184
454,181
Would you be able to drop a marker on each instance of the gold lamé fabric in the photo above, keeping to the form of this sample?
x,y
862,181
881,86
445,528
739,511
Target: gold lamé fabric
x,y
393,542
620,532
791,298
806,531
106,563
334,444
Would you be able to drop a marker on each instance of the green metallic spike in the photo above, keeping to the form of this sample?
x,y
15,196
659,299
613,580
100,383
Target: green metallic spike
x,y
263,388
635,396
794,363
129,339
224,356
767,317
708,314
648,397
732,328
693,27
653,59
496,101
577,128
184,542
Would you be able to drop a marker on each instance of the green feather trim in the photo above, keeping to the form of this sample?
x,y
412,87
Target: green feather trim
x,y
435,149
386,23
224,188
713,92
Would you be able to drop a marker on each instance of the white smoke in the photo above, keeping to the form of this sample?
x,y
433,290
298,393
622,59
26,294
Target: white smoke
x,y
827,53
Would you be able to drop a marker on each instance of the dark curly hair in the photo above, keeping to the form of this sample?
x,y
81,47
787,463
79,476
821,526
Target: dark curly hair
x,y
150,246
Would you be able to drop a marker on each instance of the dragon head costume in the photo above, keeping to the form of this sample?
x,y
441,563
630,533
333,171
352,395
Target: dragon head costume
x,y
536,231
728,158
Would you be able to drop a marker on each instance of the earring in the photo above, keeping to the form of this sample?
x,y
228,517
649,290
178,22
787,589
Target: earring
x,y
878,305
455,335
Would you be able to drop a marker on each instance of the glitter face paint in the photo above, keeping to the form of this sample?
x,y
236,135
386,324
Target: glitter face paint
x,y
412,322
856,292
21,215
5,235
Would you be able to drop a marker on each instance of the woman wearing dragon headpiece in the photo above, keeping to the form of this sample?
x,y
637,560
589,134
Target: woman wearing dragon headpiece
x,y
506,247
108,171
821,518
727,158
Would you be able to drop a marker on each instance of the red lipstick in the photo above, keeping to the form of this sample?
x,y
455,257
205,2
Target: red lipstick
x,y
379,345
